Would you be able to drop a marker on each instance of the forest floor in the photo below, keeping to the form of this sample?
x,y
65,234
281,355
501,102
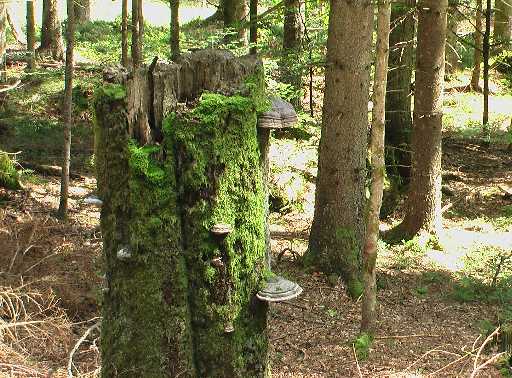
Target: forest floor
x,y
436,302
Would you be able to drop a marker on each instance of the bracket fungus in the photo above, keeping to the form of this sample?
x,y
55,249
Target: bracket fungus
x,y
229,328
221,230
124,253
281,116
278,289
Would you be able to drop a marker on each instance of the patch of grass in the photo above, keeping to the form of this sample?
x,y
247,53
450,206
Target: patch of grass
x,y
362,345
486,276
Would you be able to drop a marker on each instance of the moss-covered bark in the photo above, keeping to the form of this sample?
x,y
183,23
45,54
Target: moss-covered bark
x,y
168,309
146,323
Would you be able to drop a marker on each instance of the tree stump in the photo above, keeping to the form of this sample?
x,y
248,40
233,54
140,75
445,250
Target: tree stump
x,y
183,220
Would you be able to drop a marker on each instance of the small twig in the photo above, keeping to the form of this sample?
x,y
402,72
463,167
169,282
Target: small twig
x,y
404,336
488,362
77,345
357,362
486,341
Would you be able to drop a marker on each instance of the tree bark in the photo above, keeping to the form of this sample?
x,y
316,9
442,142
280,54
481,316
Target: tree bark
x,y
369,316
452,57
253,30
486,49
234,13
51,33
502,24
338,225
68,110
175,29
423,206
136,45
475,77
124,33
3,41
31,35
82,11
291,70
398,91
179,300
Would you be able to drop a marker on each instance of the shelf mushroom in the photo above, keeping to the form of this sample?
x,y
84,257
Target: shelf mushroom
x,y
278,289
282,115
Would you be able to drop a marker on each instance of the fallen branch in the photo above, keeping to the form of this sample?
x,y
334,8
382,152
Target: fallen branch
x,y
404,336
77,345
10,87
51,170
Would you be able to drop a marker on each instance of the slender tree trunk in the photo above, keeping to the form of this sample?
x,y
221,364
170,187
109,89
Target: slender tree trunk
x,y
141,30
3,41
175,29
452,57
14,29
338,226
475,77
253,31
291,72
369,316
502,24
124,33
51,33
486,52
398,91
136,46
234,14
82,11
31,35
68,110
423,206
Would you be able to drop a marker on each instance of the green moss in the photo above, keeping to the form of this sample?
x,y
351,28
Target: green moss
x,y
217,150
9,176
112,91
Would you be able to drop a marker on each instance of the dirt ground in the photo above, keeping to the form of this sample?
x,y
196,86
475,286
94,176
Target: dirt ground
x,y
51,277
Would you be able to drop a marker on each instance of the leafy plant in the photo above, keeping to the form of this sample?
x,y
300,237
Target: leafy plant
x,y
362,345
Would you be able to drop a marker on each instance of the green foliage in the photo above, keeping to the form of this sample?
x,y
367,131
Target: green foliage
x,y
362,345
9,176
487,276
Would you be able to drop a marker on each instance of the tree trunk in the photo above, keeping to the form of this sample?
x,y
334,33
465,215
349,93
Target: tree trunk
x,y
136,45
3,41
253,30
180,300
291,70
338,225
502,24
124,33
234,13
475,77
369,316
452,57
175,29
51,33
82,11
67,110
31,35
485,54
423,206
398,91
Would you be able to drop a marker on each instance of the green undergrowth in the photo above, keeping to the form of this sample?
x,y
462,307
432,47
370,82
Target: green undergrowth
x,y
9,176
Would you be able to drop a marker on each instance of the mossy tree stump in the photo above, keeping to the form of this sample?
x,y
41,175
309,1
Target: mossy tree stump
x,y
180,300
